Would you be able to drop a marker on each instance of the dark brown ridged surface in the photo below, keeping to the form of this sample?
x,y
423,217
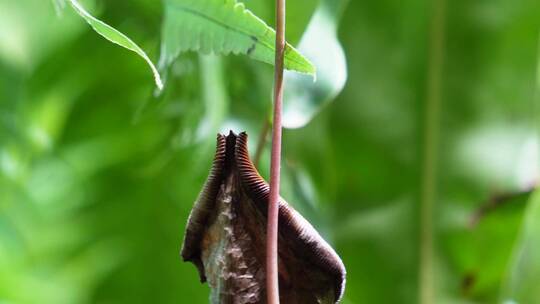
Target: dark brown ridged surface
x,y
203,207
305,242
291,223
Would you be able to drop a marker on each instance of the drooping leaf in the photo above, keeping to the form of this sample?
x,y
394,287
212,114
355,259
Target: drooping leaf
x,y
521,285
115,36
222,27
304,97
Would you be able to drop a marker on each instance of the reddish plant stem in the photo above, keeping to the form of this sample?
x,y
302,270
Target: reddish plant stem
x,y
272,284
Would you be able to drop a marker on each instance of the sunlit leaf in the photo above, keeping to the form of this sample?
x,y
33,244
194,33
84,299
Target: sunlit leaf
x,y
221,27
114,36
304,97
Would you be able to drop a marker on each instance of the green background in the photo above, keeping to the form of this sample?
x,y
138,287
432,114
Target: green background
x,y
98,173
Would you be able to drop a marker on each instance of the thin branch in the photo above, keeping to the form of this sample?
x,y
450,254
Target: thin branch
x,y
272,284
261,143
430,153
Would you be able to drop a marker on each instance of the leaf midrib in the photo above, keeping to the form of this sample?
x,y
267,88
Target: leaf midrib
x,y
255,39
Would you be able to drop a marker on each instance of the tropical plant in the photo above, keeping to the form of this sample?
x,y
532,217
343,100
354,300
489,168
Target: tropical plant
x,y
413,147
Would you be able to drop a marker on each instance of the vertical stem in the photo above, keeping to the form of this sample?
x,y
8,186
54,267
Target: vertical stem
x,y
431,133
272,284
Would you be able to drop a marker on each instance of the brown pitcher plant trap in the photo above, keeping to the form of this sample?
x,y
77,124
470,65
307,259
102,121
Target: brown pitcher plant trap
x,y
225,238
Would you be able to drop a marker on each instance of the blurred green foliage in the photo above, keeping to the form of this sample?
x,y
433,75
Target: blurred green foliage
x,y
98,174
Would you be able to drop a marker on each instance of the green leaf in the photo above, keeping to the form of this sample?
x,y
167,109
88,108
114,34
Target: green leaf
x,y
114,36
522,283
222,27
304,97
